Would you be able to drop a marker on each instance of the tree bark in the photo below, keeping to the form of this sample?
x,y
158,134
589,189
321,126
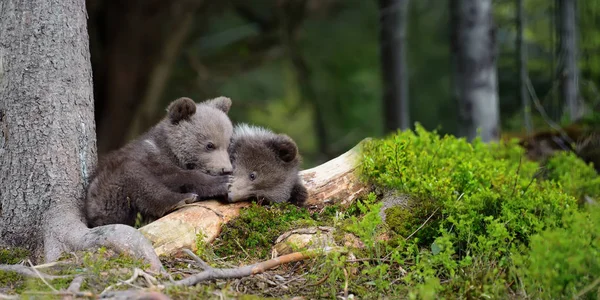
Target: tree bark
x,y
474,50
522,67
393,20
47,107
569,75
49,142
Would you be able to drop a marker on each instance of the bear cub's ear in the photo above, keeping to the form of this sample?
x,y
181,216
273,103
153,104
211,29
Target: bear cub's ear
x,y
181,109
284,147
220,103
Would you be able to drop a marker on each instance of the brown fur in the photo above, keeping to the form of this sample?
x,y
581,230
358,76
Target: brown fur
x,y
266,167
170,164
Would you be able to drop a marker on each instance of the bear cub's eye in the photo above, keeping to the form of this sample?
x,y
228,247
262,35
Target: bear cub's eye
x,y
190,166
210,146
252,175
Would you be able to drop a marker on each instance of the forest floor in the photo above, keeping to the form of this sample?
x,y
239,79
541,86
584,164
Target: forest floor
x,y
447,219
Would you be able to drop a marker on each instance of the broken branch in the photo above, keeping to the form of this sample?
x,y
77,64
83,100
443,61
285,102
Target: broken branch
x,y
213,273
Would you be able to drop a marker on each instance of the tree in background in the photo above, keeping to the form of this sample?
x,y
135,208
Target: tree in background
x,y
241,49
393,16
48,147
475,79
568,70
521,57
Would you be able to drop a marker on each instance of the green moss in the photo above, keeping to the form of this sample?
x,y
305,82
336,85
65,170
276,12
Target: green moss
x,y
33,285
256,228
13,255
404,221
11,280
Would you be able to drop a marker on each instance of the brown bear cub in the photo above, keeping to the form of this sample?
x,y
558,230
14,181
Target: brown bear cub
x,y
266,167
182,159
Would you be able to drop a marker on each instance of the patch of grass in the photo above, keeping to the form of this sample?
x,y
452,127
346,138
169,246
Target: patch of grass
x,y
101,269
107,268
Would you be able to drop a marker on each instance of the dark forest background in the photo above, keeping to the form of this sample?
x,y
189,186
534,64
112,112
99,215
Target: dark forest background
x,y
317,69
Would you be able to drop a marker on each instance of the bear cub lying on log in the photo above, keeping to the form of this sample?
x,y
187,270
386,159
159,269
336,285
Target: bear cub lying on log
x,y
182,159
265,167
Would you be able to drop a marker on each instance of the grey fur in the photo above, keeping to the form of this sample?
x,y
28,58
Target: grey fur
x,y
168,165
273,159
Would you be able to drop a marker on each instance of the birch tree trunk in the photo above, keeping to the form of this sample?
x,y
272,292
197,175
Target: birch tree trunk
x,y
569,74
48,137
393,20
476,87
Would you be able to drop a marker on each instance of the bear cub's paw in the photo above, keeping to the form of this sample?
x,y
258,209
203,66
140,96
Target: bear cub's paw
x,y
217,187
191,198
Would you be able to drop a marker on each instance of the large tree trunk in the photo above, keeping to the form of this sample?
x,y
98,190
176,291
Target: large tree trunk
x,y
569,74
47,104
475,79
47,121
522,67
393,20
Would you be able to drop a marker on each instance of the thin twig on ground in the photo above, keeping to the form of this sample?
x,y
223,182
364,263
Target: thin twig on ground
x,y
197,259
320,281
41,276
417,230
212,273
587,289
49,265
345,284
243,250
27,271
150,281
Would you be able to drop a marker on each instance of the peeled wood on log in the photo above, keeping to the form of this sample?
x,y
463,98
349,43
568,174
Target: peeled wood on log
x,y
334,182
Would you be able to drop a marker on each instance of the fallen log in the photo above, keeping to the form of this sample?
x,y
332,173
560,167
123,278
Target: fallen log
x,y
333,182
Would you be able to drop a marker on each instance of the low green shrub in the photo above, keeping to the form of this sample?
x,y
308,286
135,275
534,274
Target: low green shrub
x,y
574,175
472,208
564,263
